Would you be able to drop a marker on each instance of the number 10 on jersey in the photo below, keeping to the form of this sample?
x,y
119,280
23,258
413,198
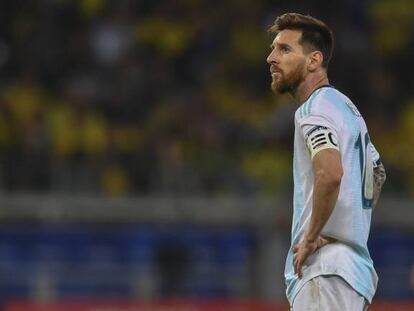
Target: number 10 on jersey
x,y
367,174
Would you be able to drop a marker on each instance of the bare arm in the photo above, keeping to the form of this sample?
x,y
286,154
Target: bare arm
x,y
328,173
379,178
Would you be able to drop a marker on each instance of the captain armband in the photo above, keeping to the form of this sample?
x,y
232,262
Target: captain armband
x,y
320,138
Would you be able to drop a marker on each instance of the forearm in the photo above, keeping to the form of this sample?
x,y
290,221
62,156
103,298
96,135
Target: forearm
x,y
325,195
379,179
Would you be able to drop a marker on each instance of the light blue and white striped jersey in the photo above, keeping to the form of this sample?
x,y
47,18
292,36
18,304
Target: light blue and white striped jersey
x,y
350,221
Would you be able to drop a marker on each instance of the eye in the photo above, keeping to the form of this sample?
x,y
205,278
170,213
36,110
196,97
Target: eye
x,y
284,49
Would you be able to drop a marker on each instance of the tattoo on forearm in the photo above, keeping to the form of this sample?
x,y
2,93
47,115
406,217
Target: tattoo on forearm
x,y
379,176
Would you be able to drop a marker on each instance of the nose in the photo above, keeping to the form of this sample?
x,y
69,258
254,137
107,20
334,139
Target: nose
x,y
272,58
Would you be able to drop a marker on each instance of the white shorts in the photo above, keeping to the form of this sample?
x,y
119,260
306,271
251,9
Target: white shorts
x,y
328,293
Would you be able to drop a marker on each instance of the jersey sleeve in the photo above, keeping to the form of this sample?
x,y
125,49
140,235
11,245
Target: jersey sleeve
x,y
376,159
319,133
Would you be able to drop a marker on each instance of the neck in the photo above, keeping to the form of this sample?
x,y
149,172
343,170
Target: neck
x,y
308,86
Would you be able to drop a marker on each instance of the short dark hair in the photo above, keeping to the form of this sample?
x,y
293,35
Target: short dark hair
x,y
316,35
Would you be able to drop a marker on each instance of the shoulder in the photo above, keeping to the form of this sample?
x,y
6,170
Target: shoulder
x,y
329,100
325,101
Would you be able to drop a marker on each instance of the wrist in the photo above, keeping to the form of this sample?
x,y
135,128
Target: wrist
x,y
310,239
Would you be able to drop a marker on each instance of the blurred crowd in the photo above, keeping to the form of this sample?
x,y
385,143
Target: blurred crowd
x,y
172,97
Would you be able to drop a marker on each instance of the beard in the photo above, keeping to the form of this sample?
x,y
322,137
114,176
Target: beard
x,y
289,82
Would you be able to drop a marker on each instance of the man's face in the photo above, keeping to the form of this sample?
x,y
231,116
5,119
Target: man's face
x,y
287,61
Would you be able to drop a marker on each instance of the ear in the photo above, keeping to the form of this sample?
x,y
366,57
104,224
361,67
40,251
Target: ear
x,y
315,60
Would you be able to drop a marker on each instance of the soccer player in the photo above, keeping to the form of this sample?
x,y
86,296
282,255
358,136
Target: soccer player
x,y
337,171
